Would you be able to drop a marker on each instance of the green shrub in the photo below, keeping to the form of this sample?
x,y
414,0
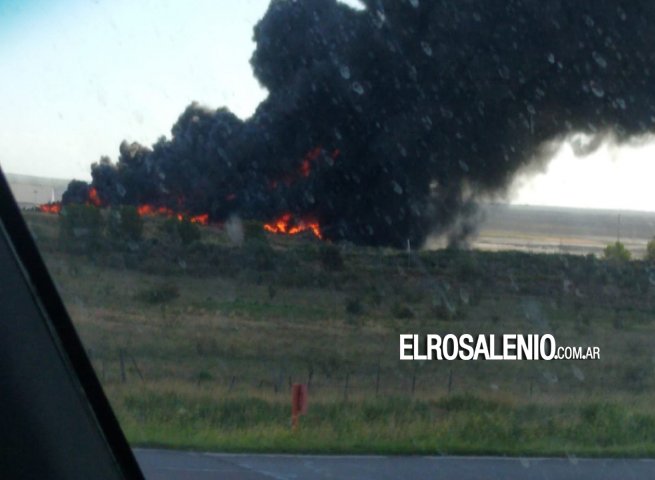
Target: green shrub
x,y
189,232
259,255
467,267
617,252
402,312
81,226
354,306
159,294
331,258
253,230
184,230
650,250
125,223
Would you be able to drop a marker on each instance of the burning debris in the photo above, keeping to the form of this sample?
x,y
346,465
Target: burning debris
x,y
145,210
386,124
52,207
289,225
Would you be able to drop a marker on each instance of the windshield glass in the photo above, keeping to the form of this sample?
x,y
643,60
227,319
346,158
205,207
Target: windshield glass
x,y
376,226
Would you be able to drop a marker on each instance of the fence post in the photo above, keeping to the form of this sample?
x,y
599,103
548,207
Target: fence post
x,y
377,379
122,365
414,378
345,386
136,367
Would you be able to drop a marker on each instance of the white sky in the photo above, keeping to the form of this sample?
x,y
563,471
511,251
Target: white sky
x,y
79,76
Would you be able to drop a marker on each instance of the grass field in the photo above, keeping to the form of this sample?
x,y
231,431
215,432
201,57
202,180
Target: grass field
x,y
197,345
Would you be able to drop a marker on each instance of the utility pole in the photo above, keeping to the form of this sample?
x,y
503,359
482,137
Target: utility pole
x,y
409,252
618,229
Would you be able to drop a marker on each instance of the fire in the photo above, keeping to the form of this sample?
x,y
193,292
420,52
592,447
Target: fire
x,y
146,210
151,210
53,207
305,168
143,210
94,199
306,164
288,225
202,219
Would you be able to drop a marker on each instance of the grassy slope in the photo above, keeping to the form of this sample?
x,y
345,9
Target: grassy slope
x,y
217,360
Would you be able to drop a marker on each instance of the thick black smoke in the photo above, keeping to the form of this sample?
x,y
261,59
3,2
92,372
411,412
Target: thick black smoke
x,y
386,124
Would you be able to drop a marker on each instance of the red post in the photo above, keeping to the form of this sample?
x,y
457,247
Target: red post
x,y
298,403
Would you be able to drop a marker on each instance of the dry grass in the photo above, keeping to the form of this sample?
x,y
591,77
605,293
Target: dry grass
x,y
233,341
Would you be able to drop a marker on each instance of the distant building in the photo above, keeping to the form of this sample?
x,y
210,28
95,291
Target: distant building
x,y
31,191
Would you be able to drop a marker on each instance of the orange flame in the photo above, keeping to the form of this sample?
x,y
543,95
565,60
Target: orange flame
x,y
53,207
202,219
306,164
151,210
286,224
94,199
142,210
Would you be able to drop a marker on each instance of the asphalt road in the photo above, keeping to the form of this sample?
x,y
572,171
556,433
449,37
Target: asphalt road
x,y
166,465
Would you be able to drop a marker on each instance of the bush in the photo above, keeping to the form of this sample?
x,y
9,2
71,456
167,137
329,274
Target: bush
x,y
354,306
650,250
467,267
254,230
189,232
331,258
159,294
186,231
402,312
617,252
259,255
81,226
126,223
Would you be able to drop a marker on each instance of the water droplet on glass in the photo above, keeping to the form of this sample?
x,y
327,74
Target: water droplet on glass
x,y
550,377
531,109
551,58
463,165
477,17
357,88
620,103
503,71
621,13
597,90
414,3
427,49
446,113
380,19
464,296
577,373
397,188
120,189
600,60
344,71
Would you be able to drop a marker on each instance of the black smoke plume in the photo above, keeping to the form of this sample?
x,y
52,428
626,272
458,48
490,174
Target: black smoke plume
x,y
389,123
